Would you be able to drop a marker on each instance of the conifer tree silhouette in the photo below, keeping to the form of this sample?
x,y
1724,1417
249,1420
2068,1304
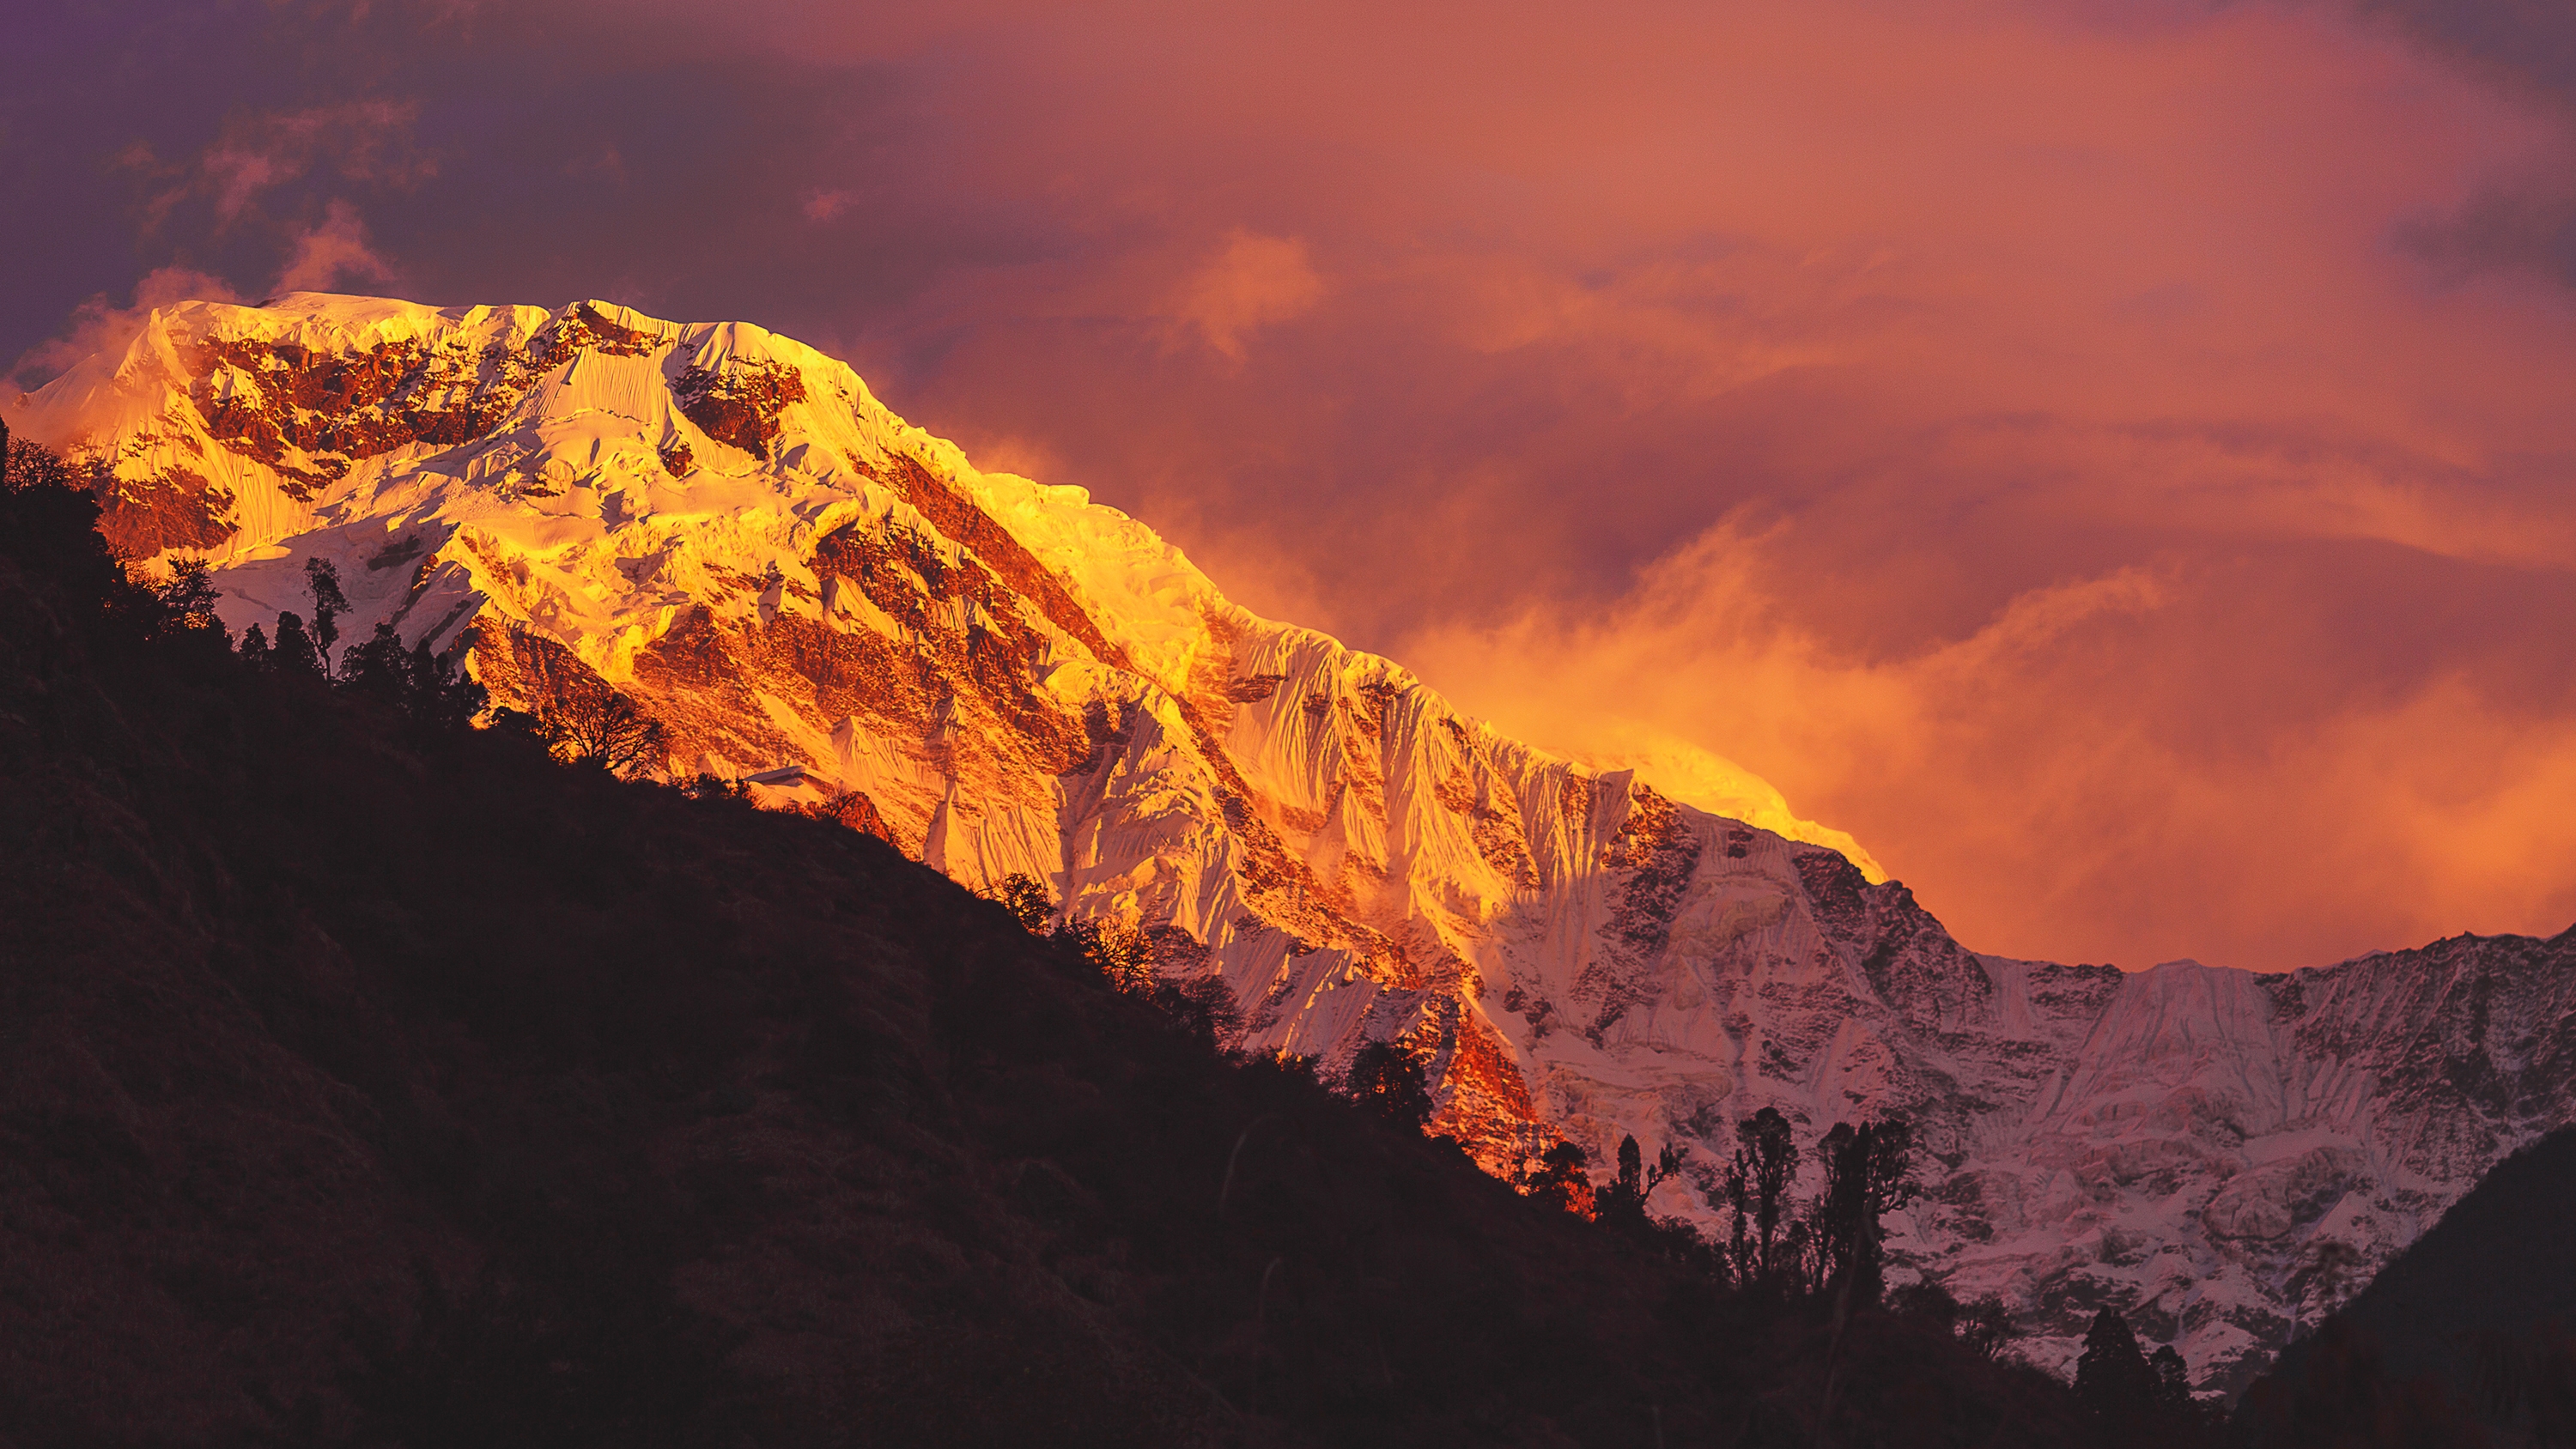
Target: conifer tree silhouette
x,y
2112,1377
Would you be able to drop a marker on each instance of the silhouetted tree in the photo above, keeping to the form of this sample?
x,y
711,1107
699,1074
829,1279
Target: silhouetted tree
x,y
1203,1006
1986,1325
1869,1172
2172,1383
1119,950
1387,1080
1926,1302
602,727
439,693
254,647
378,669
2112,1377
1756,1188
26,466
715,787
2177,1419
1731,1191
520,724
431,690
188,599
1800,1255
293,653
1026,900
1622,1204
48,524
1557,1179
322,581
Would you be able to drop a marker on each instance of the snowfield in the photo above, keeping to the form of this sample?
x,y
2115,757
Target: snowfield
x,y
726,526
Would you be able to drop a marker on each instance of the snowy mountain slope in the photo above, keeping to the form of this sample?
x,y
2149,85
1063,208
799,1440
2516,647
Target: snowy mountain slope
x,y
1003,677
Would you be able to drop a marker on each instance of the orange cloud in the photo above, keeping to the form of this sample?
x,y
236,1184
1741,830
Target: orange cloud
x,y
2048,782
2100,509
823,204
260,151
333,252
96,326
1254,282
2111,458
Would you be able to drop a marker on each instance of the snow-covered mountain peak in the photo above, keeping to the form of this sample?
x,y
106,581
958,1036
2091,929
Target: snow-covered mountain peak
x,y
1003,677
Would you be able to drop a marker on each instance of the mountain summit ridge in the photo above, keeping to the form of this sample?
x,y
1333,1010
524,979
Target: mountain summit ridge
x,y
726,526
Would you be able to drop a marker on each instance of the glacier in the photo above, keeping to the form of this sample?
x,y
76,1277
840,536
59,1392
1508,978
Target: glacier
x,y
1003,677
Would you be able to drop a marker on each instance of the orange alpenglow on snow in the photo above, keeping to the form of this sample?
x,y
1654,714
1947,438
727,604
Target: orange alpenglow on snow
x,y
2109,458
1005,679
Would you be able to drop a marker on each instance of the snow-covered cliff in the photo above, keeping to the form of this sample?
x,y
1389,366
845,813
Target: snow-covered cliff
x,y
724,525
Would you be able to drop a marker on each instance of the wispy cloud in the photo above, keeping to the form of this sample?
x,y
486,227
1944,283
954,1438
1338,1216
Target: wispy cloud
x,y
1251,283
99,326
258,152
2075,777
333,251
2136,432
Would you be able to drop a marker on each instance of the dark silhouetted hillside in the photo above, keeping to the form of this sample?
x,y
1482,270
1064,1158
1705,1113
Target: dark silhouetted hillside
x,y
2464,1338
364,1082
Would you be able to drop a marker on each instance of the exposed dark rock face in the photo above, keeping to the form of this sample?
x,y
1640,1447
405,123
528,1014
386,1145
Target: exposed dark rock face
x,y
174,511
739,404
957,518
799,587
366,1082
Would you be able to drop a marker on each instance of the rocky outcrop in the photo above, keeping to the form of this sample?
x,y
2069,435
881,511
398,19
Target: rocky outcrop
x,y
1002,678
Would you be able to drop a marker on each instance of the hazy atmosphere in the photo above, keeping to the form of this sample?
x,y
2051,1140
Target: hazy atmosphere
x,y
2112,459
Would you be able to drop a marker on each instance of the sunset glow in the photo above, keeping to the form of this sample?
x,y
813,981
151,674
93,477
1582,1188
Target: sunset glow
x,y
2111,460
1709,722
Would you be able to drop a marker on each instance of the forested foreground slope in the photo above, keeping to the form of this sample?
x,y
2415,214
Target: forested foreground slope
x,y
724,531
364,1081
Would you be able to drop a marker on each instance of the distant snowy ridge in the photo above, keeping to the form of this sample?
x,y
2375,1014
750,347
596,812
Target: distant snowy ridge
x,y
726,526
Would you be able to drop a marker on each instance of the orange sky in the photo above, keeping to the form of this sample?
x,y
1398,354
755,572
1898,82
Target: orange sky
x,y
2113,459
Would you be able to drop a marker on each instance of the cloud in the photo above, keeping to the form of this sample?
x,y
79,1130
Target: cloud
x,y
2520,216
2529,44
2111,458
2082,776
97,326
258,152
2523,225
1253,282
331,252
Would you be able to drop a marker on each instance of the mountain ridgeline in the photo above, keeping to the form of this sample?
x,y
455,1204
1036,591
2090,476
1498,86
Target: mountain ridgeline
x,y
367,1079
720,537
